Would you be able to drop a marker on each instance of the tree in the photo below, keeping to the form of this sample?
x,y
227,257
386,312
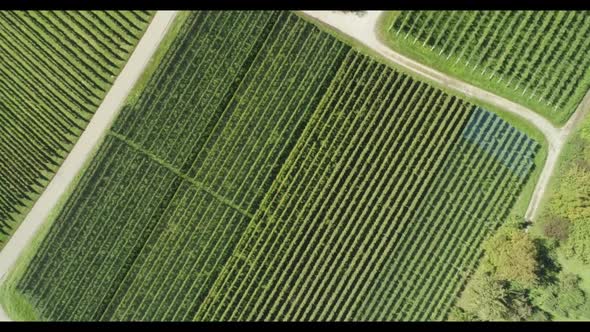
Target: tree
x,y
513,256
485,298
459,315
490,299
571,195
539,316
572,198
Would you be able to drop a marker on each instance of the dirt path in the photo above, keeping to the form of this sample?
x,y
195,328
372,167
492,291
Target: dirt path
x,y
364,29
100,122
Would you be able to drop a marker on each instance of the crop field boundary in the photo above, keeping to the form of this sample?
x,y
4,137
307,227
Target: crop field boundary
x,y
67,124
471,74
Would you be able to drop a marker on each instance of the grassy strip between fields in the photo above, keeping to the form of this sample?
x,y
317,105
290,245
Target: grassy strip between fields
x,y
15,304
172,169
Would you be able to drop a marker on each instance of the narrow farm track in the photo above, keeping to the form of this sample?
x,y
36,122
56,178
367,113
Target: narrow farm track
x,y
100,122
364,29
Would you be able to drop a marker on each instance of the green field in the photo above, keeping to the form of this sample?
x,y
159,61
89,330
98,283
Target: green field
x,y
269,171
536,58
56,68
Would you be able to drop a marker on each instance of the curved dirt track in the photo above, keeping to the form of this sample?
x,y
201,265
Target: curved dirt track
x,y
98,125
364,29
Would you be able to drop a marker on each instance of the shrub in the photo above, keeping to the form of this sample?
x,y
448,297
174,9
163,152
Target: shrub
x,y
557,228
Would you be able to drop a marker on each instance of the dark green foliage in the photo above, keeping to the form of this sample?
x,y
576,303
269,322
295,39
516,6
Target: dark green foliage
x,y
181,180
367,233
548,266
270,172
539,316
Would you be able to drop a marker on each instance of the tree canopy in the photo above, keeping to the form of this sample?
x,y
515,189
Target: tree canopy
x,y
490,299
513,256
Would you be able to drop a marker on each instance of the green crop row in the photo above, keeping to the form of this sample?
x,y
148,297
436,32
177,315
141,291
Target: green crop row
x,y
268,171
354,226
214,113
224,128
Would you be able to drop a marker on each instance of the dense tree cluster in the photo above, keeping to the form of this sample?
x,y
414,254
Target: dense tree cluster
x,y
518,280
567,217
490,299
